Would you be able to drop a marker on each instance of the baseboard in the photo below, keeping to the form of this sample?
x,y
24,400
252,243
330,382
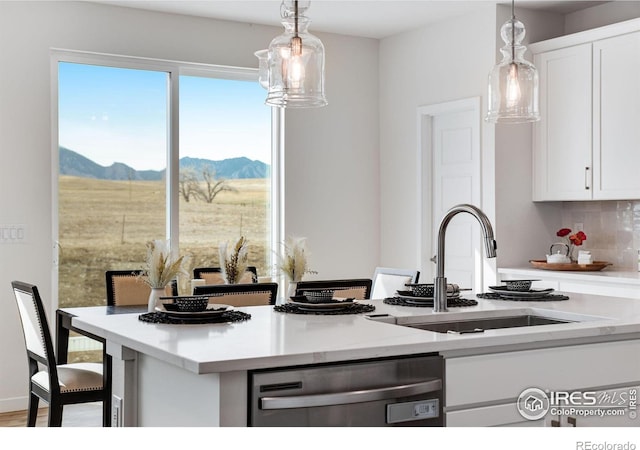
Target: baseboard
x,y
14,404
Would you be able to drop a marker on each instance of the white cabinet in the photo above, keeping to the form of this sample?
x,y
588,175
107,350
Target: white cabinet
x,y
607,283
616,118
585,147
618,408
505,415
482,390
561,140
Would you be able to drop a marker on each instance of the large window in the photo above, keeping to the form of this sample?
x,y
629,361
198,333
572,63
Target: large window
x,y
225,137
152,150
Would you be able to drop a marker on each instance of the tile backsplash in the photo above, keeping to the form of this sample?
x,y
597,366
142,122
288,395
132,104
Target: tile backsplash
x,y
612,229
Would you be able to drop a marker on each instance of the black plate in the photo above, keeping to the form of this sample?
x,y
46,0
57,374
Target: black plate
x,y
416,300
212,310
533,293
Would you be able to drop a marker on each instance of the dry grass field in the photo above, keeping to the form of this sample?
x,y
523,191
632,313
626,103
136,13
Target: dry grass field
x,y
105,225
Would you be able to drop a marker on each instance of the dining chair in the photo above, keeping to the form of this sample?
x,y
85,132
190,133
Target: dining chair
x,y
58,385
358,288
387,281
213,275
124,287
249,294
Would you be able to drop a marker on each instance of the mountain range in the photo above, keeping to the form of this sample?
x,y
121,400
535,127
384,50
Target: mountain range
x,y
73,163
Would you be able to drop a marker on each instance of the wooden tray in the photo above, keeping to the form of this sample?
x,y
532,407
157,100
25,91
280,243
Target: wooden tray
x,y
593,267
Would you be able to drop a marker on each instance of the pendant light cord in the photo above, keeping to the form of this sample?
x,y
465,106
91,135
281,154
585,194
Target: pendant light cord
x,y
513,30
295,18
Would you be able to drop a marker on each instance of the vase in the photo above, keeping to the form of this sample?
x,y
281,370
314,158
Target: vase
x,y
154,298
291,289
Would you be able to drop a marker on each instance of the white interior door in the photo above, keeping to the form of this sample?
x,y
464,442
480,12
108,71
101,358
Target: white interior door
x,y
453,147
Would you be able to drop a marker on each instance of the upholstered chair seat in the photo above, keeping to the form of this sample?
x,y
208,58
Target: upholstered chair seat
x,y
76,377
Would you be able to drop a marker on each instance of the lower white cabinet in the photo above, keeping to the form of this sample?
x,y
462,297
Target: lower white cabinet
x,y
505,415
627,285
618,409
483,390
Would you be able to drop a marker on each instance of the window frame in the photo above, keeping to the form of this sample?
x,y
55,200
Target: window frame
x,y
174,69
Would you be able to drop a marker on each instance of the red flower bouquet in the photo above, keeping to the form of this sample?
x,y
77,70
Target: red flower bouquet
x,y
573,240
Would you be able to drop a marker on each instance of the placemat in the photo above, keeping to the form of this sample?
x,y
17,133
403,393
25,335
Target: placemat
x,y
451,302
227,316
356,308
544,298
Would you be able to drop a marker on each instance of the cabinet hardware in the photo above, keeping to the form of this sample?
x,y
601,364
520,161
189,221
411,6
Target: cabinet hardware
x,y
572,421
586,178
555,423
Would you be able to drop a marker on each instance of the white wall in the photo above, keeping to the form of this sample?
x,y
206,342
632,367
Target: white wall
x,y
522,226
438,63
601,15
330,152
332,188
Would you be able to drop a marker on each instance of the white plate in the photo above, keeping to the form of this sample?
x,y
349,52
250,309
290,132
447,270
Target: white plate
x,y
502,290
214,309
333,305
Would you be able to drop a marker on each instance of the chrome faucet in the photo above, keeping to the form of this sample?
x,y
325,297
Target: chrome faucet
x,y
440,282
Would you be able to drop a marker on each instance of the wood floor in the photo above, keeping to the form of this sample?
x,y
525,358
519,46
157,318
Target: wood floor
x,y
83,415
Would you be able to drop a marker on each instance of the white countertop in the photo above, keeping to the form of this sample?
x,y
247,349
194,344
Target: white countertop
x,y
275,339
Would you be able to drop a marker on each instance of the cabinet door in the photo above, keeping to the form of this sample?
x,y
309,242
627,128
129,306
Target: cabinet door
x,y
616,130
505,415
562,137
617,408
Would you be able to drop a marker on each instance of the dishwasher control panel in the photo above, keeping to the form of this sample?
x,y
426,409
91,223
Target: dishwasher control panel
x,y
408,411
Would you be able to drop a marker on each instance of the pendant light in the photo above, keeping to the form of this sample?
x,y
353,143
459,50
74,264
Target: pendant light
x,y
513,82
263,67
295,62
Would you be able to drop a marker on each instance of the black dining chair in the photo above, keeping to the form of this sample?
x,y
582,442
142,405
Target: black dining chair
x,y
213,275
358,288
58,385
124,287
251,294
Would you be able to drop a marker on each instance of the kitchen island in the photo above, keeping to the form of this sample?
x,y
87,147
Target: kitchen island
x,y
197,375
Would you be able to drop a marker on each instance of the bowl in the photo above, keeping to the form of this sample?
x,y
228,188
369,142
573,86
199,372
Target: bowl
x,y
191,304
427,290
319,296
421,290
518,285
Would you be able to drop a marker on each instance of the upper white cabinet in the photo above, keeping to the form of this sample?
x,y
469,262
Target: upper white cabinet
x,y
562,137
587,144
616,118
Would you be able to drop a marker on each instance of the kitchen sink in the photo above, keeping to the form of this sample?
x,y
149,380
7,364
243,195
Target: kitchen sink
x,y
479,321
479,325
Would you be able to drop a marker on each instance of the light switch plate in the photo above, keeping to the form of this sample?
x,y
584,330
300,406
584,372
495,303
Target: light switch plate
x,y
116,411
13,234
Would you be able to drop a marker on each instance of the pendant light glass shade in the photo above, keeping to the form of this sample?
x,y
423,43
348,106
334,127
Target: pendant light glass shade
x,y
263,67
513,82
296,62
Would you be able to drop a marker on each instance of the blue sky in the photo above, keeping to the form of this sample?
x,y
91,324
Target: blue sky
x,y
120,115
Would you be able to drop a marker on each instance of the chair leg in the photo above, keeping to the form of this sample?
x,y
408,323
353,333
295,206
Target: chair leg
x,y
55,413
33,409
106,413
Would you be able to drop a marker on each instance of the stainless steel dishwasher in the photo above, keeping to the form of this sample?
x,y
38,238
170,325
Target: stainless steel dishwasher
x,y
384,392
